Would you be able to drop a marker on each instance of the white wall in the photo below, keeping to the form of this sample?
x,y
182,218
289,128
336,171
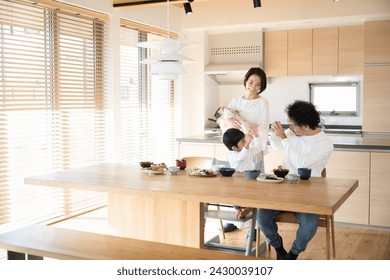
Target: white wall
x,y
284,90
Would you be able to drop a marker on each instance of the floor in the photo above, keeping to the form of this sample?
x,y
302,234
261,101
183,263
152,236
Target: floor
x,y
351,243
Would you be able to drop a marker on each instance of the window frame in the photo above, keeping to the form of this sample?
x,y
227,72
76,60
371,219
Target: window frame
x,y
330,85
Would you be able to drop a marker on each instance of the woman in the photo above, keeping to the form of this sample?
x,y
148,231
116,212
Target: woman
x,y
254,109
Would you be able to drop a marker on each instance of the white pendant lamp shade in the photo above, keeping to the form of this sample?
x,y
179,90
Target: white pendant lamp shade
x,y
168,62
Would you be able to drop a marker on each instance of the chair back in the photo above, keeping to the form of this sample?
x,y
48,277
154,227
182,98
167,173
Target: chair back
x,y
198,162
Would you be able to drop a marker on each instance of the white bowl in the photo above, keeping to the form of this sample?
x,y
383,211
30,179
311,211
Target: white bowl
x,y
173,169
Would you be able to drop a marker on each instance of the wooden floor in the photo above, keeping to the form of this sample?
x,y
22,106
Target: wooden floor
x,y
351,243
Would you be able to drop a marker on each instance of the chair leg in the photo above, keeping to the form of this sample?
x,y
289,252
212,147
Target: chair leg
x,y
221,225
257,240
250,238
222,229
333,236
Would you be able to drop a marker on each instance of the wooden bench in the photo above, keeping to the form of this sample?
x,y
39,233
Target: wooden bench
x,y
38,241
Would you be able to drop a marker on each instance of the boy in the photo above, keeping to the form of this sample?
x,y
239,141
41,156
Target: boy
x,y
241,153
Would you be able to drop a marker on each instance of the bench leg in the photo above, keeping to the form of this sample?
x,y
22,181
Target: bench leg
x,y
11,255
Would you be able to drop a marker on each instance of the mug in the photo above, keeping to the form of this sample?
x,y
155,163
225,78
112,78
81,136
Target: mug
x,y
304,173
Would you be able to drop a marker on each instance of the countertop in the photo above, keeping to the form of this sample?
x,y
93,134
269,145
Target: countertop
x,y
340,141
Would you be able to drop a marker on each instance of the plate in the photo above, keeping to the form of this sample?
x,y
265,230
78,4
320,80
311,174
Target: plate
x,y
264,180
160,172
205,175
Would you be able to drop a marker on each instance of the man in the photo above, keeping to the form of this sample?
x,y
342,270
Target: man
x,y
305,145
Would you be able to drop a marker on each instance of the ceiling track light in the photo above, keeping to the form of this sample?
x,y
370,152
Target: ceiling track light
x,y
256,3
187,8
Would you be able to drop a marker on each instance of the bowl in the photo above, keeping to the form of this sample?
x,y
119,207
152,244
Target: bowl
x,y
251,174
145,164
292,178
227,171
281,172
173,169
304,173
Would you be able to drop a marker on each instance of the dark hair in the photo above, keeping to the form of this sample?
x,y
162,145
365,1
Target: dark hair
x,y
258,72
231,137
303,113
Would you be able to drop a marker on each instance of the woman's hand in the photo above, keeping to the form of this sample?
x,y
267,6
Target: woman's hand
x,y
277,128
254,130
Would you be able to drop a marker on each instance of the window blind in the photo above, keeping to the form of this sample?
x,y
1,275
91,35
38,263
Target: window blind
x,y
52,108
148,108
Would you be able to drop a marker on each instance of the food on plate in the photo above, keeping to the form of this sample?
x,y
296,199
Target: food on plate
x,y
271,177
201,172
157,167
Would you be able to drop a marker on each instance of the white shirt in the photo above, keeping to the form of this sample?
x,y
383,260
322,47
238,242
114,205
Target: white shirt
x,y
304,151
242,160
254,111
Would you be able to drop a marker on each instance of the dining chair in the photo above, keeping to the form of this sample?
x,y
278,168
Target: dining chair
x,y
222,215
205,162
324,221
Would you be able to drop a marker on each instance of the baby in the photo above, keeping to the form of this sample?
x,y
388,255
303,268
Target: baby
x,y
229,117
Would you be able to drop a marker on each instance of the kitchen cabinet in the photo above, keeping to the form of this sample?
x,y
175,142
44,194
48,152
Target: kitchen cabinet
x,y
218,151
275,53
376,98
300,52
325,51
351,50
319,51
196,150
377,42
352,165
380,189
221,152
273,159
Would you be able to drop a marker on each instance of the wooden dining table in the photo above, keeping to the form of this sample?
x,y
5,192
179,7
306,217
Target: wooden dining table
x,y
170,208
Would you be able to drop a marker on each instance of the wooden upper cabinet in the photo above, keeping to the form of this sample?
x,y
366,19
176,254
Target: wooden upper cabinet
x,y
275,53
376,98
351,49
377,42
325,51
300,52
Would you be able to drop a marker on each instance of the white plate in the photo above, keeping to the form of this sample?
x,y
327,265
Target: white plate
x,y
264,180
153,172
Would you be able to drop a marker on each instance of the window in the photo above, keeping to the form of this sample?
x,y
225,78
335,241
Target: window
x,y
336,98
147,103
52,108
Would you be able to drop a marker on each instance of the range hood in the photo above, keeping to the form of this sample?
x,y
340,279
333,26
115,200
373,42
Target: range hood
x,y
230,56
229,74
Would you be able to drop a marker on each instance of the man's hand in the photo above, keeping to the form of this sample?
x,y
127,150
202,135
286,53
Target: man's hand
x,y
277,128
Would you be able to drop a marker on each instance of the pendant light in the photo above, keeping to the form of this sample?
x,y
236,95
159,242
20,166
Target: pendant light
x,y
167,64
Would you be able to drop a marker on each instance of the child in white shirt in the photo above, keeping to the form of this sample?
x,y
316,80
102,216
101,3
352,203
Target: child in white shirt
x,y
241,153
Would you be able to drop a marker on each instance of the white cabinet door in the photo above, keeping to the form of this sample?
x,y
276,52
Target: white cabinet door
x,y
196,150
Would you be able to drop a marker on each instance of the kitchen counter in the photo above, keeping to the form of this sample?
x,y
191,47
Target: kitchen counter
x,y
340,141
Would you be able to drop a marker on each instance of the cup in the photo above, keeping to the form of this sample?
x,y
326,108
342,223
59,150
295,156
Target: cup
x,y
182,163
292,178
304,173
